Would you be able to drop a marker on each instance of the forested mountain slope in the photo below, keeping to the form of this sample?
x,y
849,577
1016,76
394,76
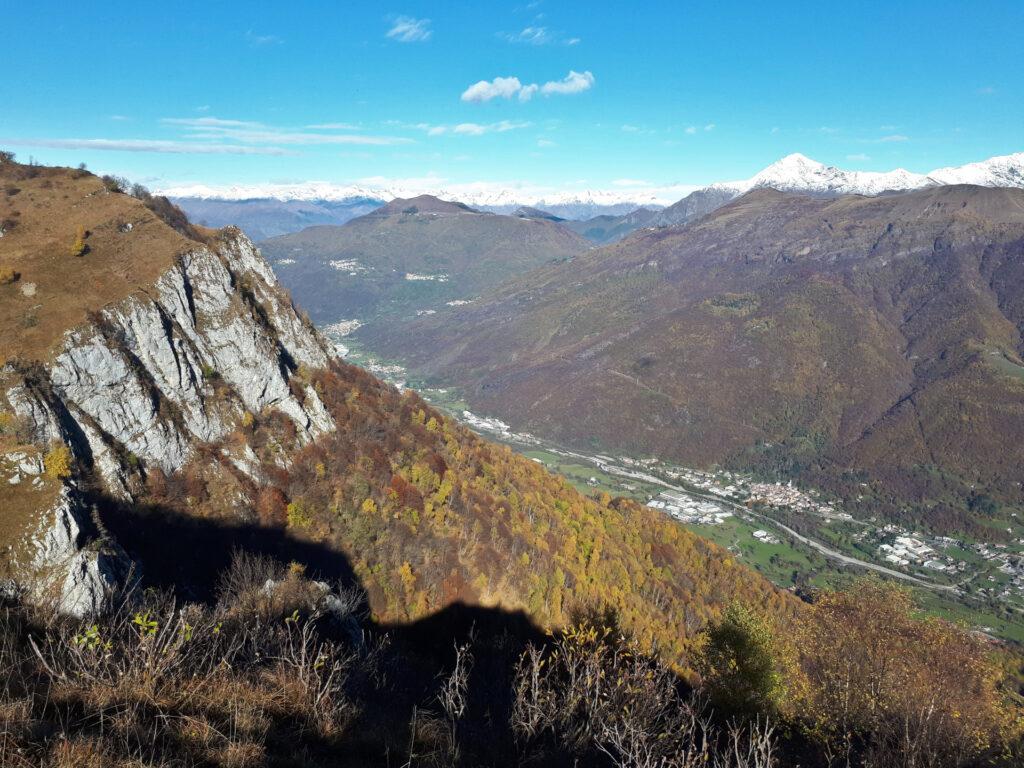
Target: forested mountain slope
x,y
187,388
848,340
412,256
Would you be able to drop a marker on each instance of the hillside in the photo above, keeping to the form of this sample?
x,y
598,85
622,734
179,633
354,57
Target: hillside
x,y
412,256
816,337
224,547
193,399
608,229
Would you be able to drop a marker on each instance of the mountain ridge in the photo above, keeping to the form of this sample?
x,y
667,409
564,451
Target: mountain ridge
x,y
789,171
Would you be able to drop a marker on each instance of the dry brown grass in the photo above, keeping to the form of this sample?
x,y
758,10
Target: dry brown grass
x,y
50,205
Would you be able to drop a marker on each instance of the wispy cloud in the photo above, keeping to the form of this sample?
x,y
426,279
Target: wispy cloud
x,y
120,118
860,157
545,143
690,130
470,129
261,41
537,35
249,132
710,127
892,138
406,29
509,87
146,145
987,90
332,127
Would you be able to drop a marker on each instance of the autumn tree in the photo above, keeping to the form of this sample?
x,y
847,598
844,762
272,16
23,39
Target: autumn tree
x,y
272,507
742,664
894,688
78,246
57,462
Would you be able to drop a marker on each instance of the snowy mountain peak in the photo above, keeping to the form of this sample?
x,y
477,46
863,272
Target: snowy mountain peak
x,y
792,173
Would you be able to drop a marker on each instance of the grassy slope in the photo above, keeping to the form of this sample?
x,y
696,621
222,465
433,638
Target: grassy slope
x,y
47,206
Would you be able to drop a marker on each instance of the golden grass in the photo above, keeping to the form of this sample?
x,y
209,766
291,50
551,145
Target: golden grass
x,y
55,290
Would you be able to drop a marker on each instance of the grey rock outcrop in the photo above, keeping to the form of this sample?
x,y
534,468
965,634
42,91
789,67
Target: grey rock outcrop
x,y
149,378
67,570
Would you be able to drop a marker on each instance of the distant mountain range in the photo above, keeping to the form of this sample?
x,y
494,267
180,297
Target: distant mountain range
x,y
411,256
267,210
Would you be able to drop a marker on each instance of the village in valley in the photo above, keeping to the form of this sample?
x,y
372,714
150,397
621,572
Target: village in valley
x,y
796,536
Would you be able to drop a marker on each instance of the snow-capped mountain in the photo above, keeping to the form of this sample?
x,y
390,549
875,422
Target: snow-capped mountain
x,y
794,172
1004,171
799,173
485,196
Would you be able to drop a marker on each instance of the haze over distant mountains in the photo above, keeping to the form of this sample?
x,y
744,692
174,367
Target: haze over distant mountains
x,y
265,210
413,255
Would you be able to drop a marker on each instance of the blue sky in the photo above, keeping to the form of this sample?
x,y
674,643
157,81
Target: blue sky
x,y
657,92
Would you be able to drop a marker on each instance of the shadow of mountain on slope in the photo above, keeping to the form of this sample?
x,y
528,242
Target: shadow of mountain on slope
x,y
187,556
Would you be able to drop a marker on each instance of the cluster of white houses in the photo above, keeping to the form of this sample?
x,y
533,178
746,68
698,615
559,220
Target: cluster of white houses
x,y
690,509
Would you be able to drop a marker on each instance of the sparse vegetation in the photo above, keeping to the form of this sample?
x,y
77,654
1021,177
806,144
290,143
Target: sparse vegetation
x,y
78,246
58,462
279,670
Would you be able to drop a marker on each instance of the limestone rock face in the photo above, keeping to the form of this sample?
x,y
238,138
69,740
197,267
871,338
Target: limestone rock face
x,y
65,572
148,378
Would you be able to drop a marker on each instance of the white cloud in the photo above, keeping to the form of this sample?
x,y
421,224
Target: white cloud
x,y
146,145
527,91
987,90
498,88
406,29
709,127
119,118
631,129
896,137
691,129
860,157
574,82
507,87
544,143
210,122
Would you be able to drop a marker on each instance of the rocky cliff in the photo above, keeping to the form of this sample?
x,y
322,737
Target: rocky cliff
x,y
138,387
